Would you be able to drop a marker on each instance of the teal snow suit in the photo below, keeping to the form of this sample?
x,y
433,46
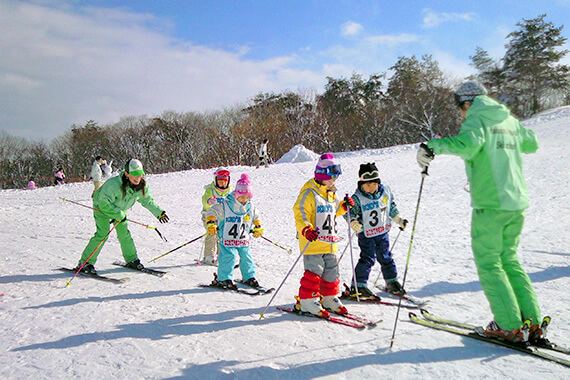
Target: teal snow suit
x,y
110,201
491,143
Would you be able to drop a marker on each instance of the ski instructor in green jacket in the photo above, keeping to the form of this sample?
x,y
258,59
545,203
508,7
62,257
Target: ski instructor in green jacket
x,y
491,142
111,201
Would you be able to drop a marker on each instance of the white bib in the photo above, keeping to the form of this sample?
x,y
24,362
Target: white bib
x,y
376,215
236,227
325,219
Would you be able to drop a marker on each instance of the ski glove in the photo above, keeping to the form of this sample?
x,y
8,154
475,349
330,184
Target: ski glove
x,y
425,156
347,203
257,231
163,218
402,222
310,234
212,201
211,225
356,226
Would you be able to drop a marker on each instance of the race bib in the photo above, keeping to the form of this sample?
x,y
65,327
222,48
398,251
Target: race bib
x,y
236,228
375,215
325,220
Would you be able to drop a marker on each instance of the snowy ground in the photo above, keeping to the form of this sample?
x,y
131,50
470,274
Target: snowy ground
x,y
170,328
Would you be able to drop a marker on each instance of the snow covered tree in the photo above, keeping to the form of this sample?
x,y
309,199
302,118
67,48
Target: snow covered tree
x,y
286,119
421,104
351,109
531,65
490,72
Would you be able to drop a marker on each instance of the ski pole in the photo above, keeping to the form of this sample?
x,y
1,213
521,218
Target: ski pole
x,y
261,316
351,255
132,221
177,248
424,174
391,249
288,250
68,283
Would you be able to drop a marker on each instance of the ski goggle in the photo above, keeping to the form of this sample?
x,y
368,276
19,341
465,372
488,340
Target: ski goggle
x,y
369,176
222,174
332,171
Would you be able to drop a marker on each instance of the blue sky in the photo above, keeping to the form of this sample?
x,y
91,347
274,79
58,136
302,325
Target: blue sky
x,y
68,61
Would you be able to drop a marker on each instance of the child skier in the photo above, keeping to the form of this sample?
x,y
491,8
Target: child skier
x,y
218,189
315,212
371,218
111,201
232,219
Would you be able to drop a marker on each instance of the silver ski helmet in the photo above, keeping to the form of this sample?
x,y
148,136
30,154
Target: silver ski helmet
x,y
467,92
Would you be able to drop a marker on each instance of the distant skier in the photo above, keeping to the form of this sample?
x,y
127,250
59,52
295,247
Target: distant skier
x,y
371,218
59,177
107,169
491,142
97,173
263,154
214,192
315,212
31,184
113,199
232,219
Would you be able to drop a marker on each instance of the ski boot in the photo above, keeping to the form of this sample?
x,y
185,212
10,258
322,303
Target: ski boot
x,y
395,288
134,264
519,335
333,303
311,306
251,282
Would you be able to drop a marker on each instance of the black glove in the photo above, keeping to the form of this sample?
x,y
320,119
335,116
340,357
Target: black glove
x,y
425,156
163,218
113,220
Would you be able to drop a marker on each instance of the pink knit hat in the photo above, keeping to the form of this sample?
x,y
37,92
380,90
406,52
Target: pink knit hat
x,y
327,168
243,187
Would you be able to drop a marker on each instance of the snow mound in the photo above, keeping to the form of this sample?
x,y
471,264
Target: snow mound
x,y
550,115
298,154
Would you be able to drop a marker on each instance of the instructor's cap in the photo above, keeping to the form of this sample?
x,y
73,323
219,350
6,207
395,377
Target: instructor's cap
x,y
134,167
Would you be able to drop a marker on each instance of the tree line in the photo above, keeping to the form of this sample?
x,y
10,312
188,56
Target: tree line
x,y
410,105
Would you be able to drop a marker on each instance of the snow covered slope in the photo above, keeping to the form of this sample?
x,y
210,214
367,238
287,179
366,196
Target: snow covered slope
x,y
170,328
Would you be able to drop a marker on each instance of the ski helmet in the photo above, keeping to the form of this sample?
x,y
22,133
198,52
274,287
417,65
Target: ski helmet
x,y
467,92
222,173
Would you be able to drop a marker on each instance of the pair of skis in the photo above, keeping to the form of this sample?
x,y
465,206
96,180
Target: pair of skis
x,y
249,290
476,332
411,302
115,280
351,320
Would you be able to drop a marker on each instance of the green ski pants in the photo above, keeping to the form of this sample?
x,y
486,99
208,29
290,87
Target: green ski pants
x,y
103,227
495,236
